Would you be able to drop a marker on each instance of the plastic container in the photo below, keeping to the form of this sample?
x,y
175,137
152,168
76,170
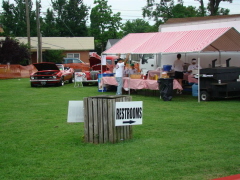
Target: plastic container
x,y
167,67
195,90
101,87
164,75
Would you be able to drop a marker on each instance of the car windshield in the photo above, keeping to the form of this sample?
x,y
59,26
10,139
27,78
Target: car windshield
x,y
109,61
60,67
148,56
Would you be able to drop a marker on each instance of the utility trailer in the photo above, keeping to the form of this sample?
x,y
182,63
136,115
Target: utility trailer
x,y
219,82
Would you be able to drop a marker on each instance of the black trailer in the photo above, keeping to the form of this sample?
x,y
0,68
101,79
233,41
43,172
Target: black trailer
x,y
219,82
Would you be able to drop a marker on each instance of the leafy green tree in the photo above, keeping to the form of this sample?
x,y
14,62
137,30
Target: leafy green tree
x,y
104,24
213,7
137,26
14,18
162,10
55,56
70,19
167,9
13,52
49,25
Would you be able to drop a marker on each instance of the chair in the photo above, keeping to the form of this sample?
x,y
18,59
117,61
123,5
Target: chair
x,y
78,78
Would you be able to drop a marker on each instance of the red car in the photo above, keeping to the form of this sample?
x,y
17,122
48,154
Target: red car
x,y
51,74
95,62
91,76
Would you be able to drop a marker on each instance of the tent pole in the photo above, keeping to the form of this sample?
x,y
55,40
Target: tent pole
x,y
198,77
160,69
129,93
101,74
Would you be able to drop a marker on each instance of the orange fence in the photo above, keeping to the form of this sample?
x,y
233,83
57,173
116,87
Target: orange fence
x,y
16,71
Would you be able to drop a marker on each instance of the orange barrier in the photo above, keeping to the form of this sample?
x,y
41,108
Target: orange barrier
x,y
16,71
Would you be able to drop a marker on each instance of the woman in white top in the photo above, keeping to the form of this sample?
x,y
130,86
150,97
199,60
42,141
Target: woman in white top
x,y
178,68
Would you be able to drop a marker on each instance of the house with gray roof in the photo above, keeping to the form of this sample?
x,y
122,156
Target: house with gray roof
x,y
76,47
111,42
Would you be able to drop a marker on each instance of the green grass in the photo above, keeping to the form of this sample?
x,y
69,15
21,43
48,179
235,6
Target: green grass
x,y
179,139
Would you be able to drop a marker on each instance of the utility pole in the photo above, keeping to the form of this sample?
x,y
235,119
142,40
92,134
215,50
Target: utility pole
x,y
39,58
28,30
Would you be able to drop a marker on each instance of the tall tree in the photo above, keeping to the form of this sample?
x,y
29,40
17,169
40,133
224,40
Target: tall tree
x,y
14,18
161,10
137,26
55,56
167,9
213,7
71,17
49,25
104,24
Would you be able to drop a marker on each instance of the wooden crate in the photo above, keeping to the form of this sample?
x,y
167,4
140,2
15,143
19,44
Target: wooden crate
x,y
135,76
99,120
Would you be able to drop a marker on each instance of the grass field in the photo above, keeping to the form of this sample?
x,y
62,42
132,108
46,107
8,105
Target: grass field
x,y
179,139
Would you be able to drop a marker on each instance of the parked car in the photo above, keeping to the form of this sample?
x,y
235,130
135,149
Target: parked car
x,y
71,60
96,67
76,64
51,74
95,62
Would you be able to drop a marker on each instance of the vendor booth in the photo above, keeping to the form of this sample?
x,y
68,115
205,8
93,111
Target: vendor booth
x,y
197,41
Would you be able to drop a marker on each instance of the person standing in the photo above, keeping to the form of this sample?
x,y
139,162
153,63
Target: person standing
x,y
178,68
119,72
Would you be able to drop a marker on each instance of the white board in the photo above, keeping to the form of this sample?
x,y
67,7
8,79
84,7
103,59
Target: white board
x,y
75,112
128,113
79,76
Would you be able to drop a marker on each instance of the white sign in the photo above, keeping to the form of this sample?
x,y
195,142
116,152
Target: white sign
x,y
103,60
79,76
128,113
75,111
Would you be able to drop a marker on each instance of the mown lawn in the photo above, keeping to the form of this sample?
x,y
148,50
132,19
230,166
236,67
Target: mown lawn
x,y
179,139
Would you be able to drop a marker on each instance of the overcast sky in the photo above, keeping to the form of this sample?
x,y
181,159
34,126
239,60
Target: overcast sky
x,y
132,9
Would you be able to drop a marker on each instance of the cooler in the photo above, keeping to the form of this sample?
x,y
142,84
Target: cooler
x,y
195,90
167,67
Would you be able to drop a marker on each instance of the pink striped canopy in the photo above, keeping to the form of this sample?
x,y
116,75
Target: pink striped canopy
x,y
222,39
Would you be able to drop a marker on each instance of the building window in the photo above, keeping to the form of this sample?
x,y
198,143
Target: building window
x,y
73,55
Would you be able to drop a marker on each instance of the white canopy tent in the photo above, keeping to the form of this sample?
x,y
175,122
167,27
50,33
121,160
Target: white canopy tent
x,y
207,40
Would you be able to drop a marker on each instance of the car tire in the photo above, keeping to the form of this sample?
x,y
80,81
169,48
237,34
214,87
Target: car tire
x,y
61,82
204,96
71,80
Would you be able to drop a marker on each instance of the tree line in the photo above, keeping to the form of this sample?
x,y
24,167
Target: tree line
x,y
68,18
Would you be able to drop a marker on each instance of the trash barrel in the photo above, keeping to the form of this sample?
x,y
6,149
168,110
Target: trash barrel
x,y
166,88
99,120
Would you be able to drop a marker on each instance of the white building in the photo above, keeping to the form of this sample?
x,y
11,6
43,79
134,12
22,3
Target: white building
x,y
196,23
